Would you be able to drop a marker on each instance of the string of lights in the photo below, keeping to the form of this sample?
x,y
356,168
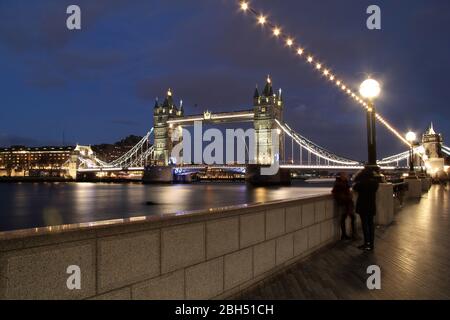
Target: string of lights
x,y
310,59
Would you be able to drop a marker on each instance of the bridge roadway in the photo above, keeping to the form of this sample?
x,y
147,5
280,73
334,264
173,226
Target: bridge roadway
x,y
191,167
219,117
412,253
142,152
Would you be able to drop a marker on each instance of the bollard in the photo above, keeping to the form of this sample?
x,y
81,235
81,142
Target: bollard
x,y
414,188
385,204
426,184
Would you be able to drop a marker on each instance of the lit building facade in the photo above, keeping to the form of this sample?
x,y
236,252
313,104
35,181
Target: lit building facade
x,y
36,161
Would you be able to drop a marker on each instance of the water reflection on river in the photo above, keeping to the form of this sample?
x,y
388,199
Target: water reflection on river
x,y
27,205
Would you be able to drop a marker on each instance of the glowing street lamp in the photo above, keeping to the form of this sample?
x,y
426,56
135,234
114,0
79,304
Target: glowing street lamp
x,y
411,138
370,89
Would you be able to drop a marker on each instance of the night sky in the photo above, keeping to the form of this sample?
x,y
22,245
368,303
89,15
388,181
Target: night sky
x,y
99,84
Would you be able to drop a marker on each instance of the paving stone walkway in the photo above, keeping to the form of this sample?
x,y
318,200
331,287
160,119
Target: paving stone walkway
x,y
413,254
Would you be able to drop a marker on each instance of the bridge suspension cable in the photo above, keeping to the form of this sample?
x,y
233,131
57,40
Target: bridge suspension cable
x,y
137,156
310,59
398,157
127,158
446,150
315,149
143,157
89,162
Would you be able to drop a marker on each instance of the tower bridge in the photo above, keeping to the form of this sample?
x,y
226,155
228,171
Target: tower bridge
x,y
266,114
267,109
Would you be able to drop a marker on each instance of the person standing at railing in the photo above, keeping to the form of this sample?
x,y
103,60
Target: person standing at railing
x,y
366,185
344,202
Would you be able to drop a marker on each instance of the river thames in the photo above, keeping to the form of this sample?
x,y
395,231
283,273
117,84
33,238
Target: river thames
x,y
29,205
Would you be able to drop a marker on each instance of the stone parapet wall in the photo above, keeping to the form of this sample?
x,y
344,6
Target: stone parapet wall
x,y
210,254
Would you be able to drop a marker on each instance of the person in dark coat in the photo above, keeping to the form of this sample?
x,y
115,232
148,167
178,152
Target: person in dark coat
x,y
366,185
344,203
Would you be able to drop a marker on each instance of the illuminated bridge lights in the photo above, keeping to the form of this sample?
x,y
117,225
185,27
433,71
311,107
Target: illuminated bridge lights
x,y
238,115
325,167
315,149
184,170
134,159
446,150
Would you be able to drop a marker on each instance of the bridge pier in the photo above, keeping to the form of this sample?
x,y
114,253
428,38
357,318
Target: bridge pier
x,y
253,176
158,174
86,176
414,188
385,204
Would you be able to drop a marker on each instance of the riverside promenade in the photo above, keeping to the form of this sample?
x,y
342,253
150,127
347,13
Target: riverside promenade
x,y
412,252
281,249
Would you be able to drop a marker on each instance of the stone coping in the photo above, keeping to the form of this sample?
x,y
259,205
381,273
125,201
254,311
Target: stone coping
x,y
157,221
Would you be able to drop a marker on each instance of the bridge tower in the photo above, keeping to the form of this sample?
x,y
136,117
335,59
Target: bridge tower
x,y
267,107
162,130
432,143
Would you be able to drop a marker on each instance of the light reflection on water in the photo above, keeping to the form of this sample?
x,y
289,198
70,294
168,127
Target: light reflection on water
x,y
43,204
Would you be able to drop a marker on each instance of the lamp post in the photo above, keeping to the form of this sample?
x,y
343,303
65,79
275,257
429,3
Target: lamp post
x,y
422,159
411,138
370,89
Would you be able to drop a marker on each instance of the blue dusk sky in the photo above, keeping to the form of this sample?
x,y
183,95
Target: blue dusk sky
x,y
99,84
